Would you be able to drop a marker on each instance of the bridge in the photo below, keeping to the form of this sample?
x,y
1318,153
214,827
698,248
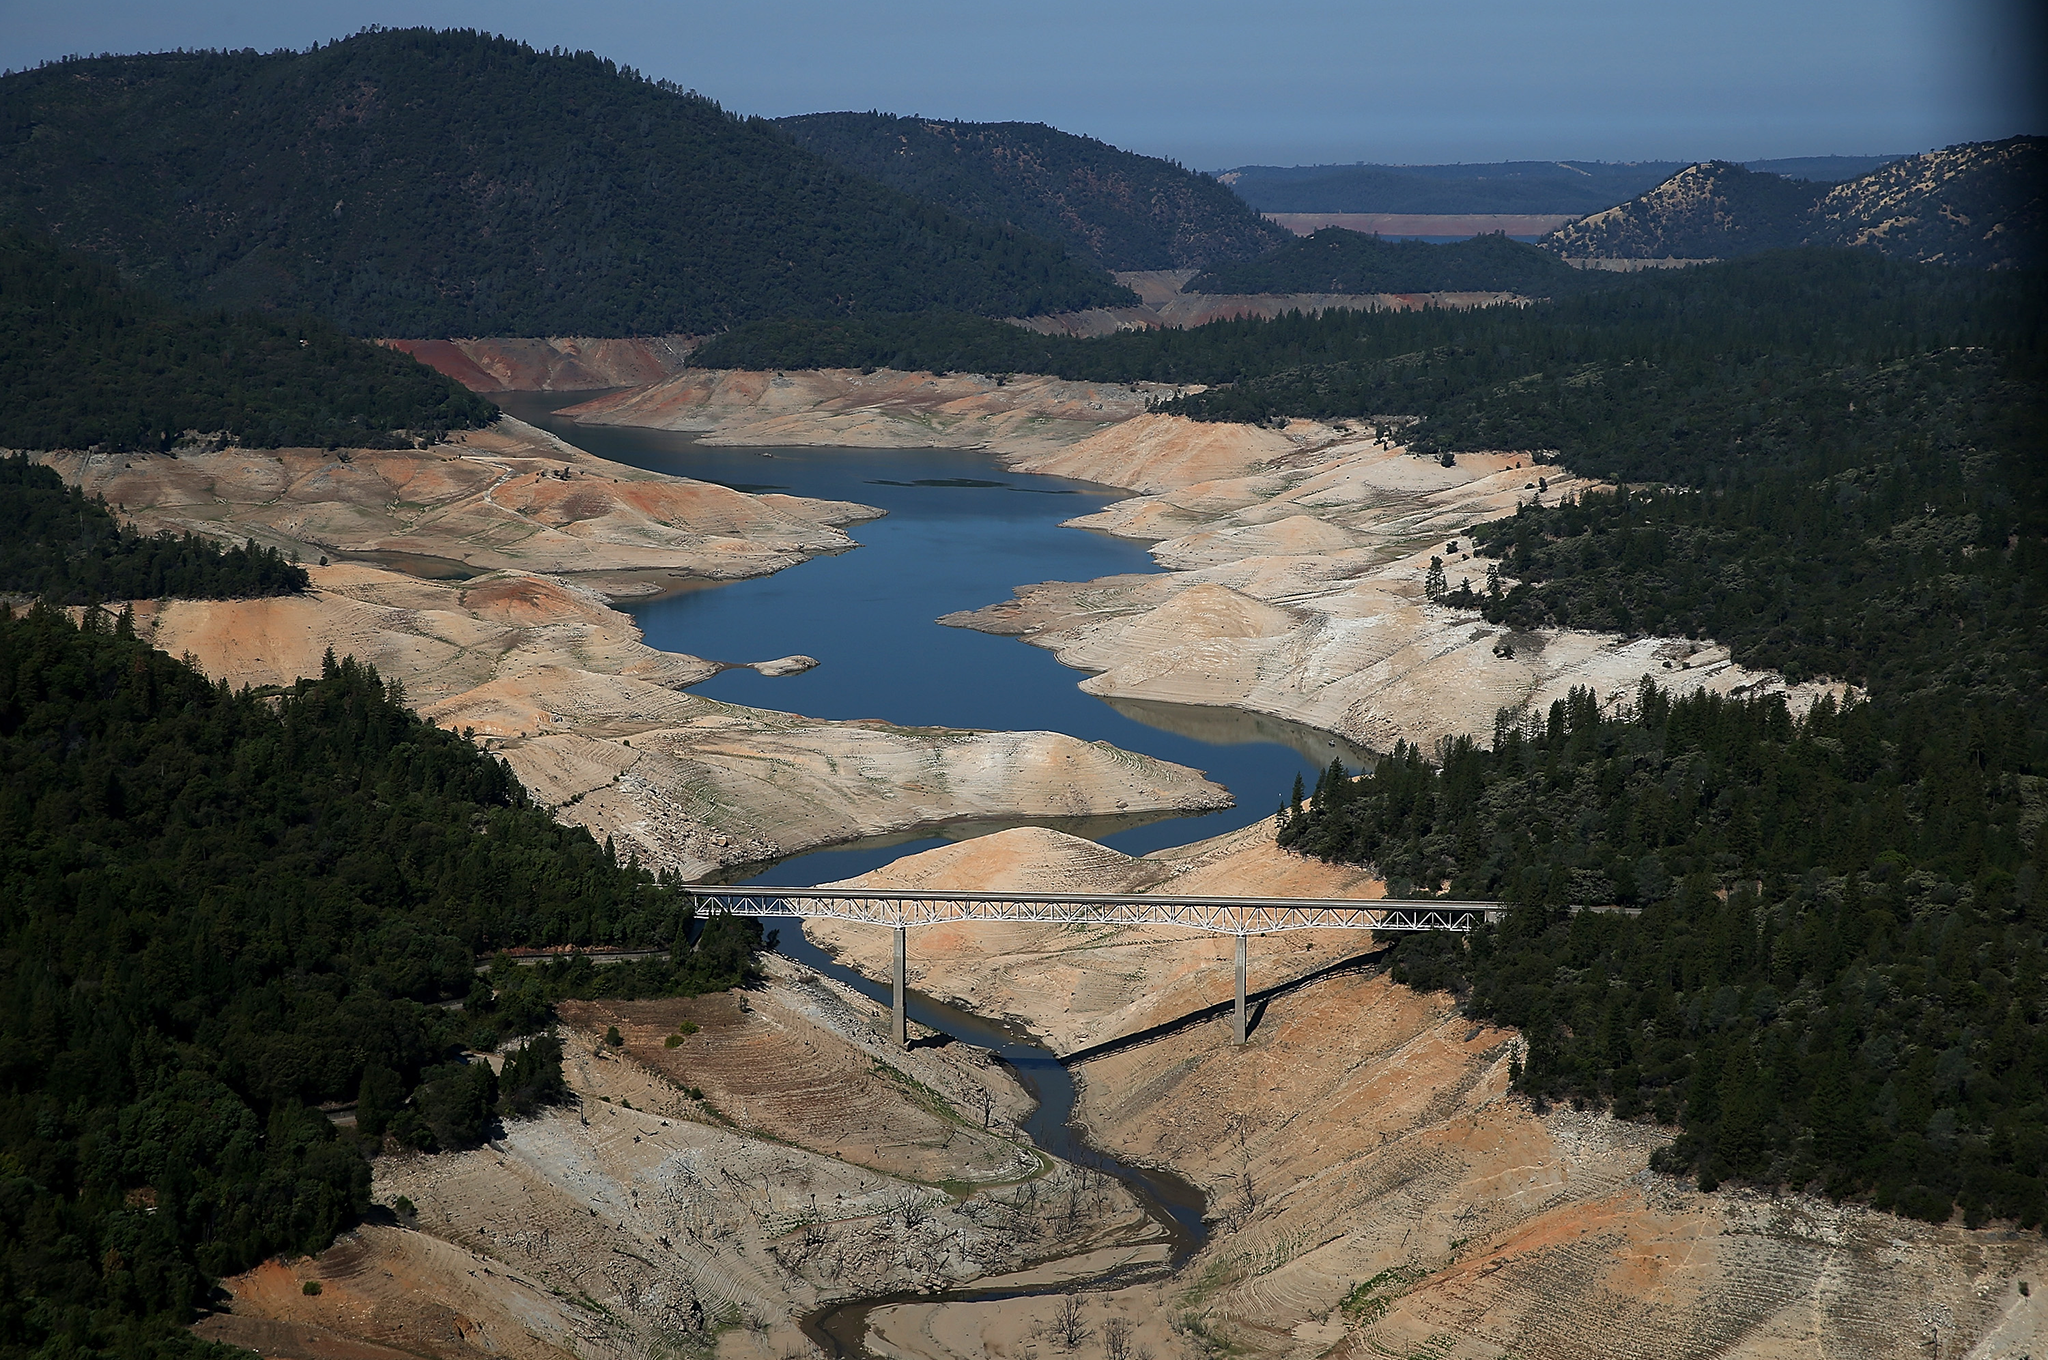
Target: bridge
x,y
901,908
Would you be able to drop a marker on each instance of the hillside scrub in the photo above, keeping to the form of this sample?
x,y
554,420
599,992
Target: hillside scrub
x,y
218,910
420,184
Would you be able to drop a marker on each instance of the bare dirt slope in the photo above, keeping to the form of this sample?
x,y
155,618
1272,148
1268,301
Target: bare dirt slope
x,y
1364,1148
884,409
1297,564
509,497
594,723
780,1156
1367,1129
1073,986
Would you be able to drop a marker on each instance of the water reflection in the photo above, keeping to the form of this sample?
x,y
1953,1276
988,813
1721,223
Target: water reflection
x,y
1235,727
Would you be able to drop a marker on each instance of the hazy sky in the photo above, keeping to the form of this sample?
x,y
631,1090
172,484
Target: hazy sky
x,y
1215,83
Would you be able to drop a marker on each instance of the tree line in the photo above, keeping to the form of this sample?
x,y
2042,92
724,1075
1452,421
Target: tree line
x,y
89,361
60,545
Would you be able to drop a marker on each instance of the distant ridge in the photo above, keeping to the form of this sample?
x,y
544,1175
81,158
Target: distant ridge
x,y
429,184
1574,188
1977,205
1116,208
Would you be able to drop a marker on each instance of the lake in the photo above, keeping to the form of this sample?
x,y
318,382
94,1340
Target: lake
x,y
960,533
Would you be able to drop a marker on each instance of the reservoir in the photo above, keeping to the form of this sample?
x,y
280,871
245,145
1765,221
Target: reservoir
x,y
960,533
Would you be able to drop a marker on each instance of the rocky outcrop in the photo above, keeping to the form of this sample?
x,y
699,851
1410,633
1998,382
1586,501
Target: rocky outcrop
x,y
738,1158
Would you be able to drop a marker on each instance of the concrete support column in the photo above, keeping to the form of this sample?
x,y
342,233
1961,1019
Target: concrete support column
x,y
903,1015
1241,949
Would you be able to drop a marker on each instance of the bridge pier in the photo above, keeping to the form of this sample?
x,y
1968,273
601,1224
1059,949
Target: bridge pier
x,y
1241,951
902,1017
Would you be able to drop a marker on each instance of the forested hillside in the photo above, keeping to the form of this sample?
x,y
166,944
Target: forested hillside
x,y
1836,978
217,910
1116,208
88,361
1710,211
1334,260
414,183
1625,373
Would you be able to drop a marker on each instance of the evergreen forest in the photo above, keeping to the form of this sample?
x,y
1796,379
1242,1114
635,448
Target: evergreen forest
x,y
420,184
88,361
1114,207
1335,260
1614,371
58,544
219,910
1828,963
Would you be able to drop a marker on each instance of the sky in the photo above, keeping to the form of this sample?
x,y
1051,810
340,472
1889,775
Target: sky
x,y
1220,83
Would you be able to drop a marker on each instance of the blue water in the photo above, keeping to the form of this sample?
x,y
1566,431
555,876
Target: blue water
x,y
960,534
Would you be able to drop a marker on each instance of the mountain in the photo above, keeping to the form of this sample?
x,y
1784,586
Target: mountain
x,y
1977,205
422,184
89,361
1117,208
1712,210
1334,260
1505,187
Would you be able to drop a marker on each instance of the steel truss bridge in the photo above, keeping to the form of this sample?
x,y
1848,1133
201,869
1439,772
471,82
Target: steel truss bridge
x,y
1243,917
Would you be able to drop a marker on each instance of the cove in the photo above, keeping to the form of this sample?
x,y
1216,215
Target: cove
x,y
960,533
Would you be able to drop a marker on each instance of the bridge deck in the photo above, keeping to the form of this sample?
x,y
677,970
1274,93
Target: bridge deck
x,y
1243,917
903,908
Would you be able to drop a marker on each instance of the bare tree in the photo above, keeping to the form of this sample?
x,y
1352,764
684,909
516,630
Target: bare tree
x,y
1068,1330
910,1205
1116,1338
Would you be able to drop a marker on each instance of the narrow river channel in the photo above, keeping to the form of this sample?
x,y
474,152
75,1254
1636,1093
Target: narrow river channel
x,y
960,534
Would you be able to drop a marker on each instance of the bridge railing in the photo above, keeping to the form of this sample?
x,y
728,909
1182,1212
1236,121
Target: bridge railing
x,y
902,908
905,907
